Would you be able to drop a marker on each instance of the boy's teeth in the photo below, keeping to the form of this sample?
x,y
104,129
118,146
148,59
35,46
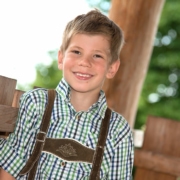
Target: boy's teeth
x,y
83,75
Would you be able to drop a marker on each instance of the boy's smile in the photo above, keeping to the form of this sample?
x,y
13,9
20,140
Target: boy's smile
x,y
86,63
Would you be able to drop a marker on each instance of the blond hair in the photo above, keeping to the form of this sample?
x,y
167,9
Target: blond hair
x,y
93,23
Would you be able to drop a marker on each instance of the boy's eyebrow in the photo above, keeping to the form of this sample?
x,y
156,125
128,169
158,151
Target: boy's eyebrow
x,y
96,50
75,47
101,50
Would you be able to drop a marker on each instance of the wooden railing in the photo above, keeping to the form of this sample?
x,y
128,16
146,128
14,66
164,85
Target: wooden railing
x,y
159,156
9,104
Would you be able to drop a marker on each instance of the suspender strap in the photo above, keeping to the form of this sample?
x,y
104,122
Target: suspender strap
x,y
41,136
97,159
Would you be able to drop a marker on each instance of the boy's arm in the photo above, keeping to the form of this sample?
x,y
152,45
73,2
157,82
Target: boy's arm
x,y
5,176
16,149
122,162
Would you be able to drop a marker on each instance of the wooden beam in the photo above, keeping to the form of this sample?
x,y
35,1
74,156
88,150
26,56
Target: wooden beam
x,y
139,21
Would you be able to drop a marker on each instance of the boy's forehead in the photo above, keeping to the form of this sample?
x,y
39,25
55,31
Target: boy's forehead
x,y
81,35
97,39
107,37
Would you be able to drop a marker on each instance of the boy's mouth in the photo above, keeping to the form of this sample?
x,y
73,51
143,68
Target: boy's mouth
x,y
83,75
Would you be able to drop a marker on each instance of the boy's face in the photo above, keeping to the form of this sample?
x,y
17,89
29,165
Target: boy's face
x,y
86,63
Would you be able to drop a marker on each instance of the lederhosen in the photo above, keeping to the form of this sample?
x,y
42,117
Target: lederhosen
x,y
67,149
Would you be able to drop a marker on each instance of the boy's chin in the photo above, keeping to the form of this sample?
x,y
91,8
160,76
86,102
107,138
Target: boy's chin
x,y
84,90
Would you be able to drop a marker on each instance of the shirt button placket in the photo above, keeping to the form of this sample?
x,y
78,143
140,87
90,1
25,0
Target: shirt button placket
x,y
63,163
78,117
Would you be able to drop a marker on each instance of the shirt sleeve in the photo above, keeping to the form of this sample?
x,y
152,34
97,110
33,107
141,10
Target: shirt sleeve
x,y
122,160
16,149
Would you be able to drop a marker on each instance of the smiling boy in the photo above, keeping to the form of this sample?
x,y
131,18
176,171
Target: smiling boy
x,y
88,55
85,65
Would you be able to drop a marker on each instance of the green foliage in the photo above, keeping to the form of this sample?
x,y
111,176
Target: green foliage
x,y
48,76
103,5
161,94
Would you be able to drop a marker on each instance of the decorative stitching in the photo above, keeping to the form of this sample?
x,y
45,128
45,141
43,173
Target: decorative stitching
x,y
67,150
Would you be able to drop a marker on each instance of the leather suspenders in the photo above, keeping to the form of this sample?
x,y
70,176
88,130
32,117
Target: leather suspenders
x,y
98,156
32,162
59,147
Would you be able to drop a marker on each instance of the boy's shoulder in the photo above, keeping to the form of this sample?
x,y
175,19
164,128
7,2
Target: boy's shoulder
x,y
32,105
119,127
36,95
34,100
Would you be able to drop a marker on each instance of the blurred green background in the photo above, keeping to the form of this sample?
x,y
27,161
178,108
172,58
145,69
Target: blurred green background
x,y
160,95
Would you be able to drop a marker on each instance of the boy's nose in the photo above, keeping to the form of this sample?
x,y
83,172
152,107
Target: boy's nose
x,y
85,61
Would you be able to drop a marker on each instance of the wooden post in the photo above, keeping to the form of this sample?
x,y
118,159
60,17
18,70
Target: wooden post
x,y
139,21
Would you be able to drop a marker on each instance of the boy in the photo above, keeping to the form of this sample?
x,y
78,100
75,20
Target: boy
x,y
88,55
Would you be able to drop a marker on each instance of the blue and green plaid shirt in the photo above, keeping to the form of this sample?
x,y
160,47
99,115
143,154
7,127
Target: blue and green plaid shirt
x,y
67,123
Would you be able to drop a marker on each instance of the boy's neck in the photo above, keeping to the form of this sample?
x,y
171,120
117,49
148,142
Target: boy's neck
x,y
82,101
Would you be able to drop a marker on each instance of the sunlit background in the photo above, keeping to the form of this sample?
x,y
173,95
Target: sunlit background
x,y
29,30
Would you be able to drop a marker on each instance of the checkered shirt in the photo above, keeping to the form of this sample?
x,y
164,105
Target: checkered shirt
x,y
82,126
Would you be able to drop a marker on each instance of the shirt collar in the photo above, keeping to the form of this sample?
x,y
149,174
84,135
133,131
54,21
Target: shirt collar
x,y
63,89
99,107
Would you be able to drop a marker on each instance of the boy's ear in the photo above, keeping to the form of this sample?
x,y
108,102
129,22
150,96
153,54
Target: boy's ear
x,y
60,60
113,68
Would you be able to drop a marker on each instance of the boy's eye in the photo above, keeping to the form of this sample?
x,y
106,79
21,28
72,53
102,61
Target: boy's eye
x,y
76,52
98,56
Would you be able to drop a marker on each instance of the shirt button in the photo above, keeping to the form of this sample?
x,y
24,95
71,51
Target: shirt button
x,y
63,163
78,117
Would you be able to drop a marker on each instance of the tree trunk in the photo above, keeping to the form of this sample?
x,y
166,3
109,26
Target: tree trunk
x,y
139,21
